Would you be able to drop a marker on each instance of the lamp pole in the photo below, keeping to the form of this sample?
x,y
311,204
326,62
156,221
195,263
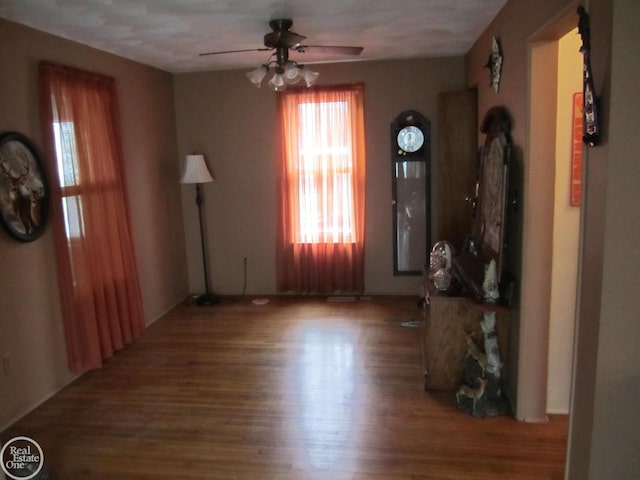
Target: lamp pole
x,y
207,298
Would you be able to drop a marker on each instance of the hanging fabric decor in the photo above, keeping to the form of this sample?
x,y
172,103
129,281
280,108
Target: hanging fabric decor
x,y
591,130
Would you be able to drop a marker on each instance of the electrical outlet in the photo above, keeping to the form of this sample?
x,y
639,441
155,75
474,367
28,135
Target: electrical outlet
x,y
7,368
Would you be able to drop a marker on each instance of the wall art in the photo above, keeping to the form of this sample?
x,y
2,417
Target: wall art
x,y
24,193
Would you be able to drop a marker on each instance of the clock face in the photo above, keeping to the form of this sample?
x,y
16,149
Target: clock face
x,y
410,139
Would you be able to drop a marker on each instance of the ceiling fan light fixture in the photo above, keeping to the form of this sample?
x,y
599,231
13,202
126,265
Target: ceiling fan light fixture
x,y
256,76
308,75
291,73
279,41
277,82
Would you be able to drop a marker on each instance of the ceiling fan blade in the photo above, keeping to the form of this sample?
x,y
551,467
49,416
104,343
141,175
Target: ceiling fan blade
x,y
264,49
282,39
291,39
340,50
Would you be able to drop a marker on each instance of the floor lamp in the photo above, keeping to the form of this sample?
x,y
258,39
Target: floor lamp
x,y
196,171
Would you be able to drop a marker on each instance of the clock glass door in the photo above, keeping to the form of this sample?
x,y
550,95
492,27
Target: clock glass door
x,y
410,215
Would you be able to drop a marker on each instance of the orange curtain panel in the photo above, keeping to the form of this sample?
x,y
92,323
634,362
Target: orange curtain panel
x,y
98,280
320,243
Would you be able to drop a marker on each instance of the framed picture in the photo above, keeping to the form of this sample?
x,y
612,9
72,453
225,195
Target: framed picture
x,y
24,192
576,151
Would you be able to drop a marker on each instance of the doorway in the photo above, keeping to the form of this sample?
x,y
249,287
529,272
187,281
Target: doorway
x,y
551,230
566,223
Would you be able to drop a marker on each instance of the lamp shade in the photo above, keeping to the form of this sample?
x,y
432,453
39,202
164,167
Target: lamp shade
x,y
195,170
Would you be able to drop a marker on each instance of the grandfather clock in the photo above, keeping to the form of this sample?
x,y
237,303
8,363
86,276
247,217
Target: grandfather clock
x,y
411,202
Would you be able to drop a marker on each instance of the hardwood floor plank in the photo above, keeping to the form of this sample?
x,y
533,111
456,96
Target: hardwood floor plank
x,y
296,389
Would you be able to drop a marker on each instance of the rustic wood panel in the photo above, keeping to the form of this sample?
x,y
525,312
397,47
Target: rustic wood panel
x,y
448,320
293,390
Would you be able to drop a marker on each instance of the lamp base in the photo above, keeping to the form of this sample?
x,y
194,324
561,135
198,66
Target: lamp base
x,y
207,299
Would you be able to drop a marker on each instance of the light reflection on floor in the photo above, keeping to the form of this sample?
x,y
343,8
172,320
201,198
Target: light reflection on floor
x,y
326,381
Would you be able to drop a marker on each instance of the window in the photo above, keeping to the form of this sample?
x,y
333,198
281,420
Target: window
x,y
325,174
67,162
320,243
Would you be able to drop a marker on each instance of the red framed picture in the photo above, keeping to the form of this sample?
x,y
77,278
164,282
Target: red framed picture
x,y
576,151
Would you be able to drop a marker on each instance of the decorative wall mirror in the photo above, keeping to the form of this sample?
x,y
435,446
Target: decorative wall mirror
x,y
489,221
411,172
487,239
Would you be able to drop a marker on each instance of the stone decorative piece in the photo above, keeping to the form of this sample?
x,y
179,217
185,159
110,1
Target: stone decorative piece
x,y
480,393
490,283
488,325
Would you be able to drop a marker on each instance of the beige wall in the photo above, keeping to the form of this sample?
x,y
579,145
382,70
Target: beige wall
x,y
605,416
31,334
222,115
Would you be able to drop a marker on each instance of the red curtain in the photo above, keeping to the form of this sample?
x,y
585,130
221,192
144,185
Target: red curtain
x,y
98,281
320,244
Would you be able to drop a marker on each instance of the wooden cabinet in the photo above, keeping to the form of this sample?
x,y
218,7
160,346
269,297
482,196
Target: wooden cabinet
x,y
447,321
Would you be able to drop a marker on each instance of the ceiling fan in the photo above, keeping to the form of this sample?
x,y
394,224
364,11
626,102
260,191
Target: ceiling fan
x,y
282,39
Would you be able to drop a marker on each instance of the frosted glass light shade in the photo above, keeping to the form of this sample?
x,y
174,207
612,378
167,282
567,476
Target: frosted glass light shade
x,y
309,76
277,82
287,73
291,73
256,76
195,170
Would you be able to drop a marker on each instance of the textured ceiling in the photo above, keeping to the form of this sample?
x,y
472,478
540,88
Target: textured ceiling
x,y
169,34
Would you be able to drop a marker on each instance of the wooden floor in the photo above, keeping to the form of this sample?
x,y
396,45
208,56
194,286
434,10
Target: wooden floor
x,y
293,390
